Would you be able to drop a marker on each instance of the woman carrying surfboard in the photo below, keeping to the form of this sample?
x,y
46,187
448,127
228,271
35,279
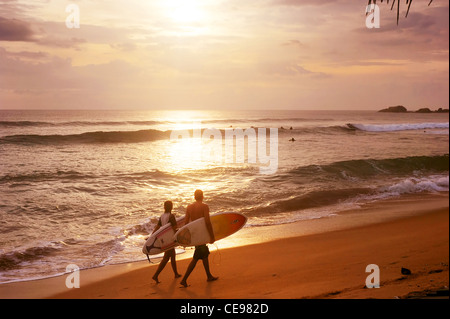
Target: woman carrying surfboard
x,y
166,218
196,211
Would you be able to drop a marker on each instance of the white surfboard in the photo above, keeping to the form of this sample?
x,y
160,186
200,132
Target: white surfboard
x,y
162,240
223,224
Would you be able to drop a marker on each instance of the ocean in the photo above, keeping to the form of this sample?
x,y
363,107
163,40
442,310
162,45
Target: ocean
x,y
87,187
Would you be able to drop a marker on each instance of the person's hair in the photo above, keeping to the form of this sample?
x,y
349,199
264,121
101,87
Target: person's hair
x,y
198,194
168,206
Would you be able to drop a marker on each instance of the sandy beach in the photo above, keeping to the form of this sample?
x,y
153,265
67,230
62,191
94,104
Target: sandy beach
x,y
323,258
324,123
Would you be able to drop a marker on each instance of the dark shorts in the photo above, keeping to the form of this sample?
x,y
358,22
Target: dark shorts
x,y
201,252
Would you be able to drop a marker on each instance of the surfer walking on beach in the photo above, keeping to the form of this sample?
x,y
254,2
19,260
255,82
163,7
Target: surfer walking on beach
x,y
196,211
166,218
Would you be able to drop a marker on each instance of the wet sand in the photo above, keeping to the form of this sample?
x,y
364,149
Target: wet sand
x,y
323,258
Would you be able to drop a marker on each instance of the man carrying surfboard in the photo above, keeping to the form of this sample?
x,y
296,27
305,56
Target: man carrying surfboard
x,y
167,218
196,211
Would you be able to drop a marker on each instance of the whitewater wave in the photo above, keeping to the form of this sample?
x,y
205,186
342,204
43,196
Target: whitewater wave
x,y
313,199
414,185
366,168
333,200
397,127
352,183
13,259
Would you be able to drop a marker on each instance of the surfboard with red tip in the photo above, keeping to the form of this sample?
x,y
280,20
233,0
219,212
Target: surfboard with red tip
x,y
223,224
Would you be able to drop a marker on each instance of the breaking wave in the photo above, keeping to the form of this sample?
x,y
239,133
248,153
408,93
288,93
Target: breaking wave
x,y
397,127
364,168
87,138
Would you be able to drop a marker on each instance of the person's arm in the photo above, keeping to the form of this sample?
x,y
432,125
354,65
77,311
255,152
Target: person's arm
x,y
173,222
208,224
188,216
158,226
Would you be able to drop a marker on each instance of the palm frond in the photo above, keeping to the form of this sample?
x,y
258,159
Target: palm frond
x,y
408,3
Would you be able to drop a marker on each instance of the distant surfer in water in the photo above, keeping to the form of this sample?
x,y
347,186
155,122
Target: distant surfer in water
x,y
166,218
196,211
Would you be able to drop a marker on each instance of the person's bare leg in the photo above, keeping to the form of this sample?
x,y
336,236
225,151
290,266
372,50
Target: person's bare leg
x,y
190,268
160,268
207,270
174,264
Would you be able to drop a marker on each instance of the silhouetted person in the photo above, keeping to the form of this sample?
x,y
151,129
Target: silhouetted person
x,y
196,211
166,218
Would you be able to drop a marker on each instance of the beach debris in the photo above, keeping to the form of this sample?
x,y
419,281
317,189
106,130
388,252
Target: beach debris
x,y
408,3
406,271
435,271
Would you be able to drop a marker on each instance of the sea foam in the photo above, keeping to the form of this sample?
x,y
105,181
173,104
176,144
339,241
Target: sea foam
x,y
398,127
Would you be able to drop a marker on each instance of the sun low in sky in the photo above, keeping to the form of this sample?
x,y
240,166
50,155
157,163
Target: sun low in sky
x,y
221,54
185,11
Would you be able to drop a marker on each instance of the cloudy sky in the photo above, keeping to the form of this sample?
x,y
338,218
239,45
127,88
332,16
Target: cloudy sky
x,y
222,54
